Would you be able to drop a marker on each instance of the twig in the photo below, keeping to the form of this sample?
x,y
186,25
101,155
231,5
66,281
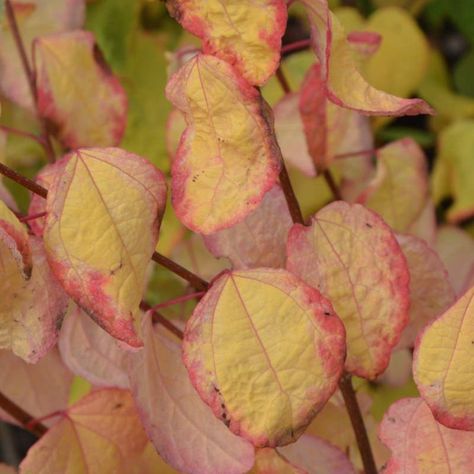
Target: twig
x,y
30,76
332,185
32,217
21,133
179,299
195,280
160,319
353,409
296,46
22,416
23,181
290,196
282,80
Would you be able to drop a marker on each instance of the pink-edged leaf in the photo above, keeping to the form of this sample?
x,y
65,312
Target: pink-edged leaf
x,y
431,292
175,126
244,33
442,366
265,352
100,239
91,352
424,226
96,435
5,469
31,311
270,461
351,256
317,456
35,18
399,190
227,157
420,445
259,240
456,248
77,93
40,389
345,85
364,43
182,428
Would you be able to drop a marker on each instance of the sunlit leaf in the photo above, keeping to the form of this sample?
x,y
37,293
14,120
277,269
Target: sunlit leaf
x,y
345,85
442,368
227,158
99,239
421,445
265,352
260,239
35,18
182,428
351,256
453,174
399,189
76,91
92,353
40,388
244,33
96,435
431,292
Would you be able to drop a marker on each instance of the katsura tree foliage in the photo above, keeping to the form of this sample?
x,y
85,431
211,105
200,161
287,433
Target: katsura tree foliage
x,y
225,257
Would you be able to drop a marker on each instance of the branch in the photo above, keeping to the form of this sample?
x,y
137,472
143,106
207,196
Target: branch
x,y
179,299
23,181
296,46
21,133
352,406
30,76
160,319
282,80
290,196
20,415
332,185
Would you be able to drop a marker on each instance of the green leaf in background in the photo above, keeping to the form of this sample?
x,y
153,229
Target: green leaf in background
x,y
461,13
424,138
463,74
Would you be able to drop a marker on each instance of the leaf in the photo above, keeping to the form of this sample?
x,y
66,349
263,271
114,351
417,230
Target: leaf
x,y
441,367
424,226
14,245
96,435
456,248
453,174
270,461
4,469
40,389
148,462
399,190
76,91
317,456
35,18
92,353
31,311
265,352
346,86
431,292
401,62
420,444
351,256
227,158
258,240
99,239
182,428
244,33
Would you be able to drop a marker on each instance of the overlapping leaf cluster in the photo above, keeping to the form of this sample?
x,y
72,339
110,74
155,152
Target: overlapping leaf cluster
x,y
317,253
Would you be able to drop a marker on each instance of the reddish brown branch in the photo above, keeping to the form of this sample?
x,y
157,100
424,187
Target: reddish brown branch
x,y
23,181
355,415
332,185
32,217
20,415
21,133
282,80
290,196
30,76
296,46
195,280
179,299
160,319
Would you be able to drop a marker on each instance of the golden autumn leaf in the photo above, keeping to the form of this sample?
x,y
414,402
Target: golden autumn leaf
x,y
352,257
421,445
244,33
265,352
442,365
345,84
77,93
96,435
99,239
227,157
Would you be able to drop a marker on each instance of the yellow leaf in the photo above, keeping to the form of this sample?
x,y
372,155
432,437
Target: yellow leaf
x,y
95,436
227,158
399,189
265,352
244,33
453,174
351,256
270,461
442,365
77,93
100,239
